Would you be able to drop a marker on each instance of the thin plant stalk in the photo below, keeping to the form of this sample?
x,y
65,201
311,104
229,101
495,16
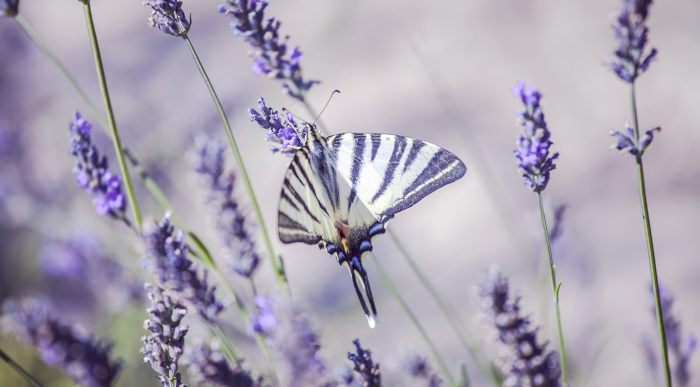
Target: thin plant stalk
x,y
555,289
136,212
229,349
18,368
407,309
277,264
650,247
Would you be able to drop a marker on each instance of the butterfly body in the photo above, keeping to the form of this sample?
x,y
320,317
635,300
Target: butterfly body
x,y
340,191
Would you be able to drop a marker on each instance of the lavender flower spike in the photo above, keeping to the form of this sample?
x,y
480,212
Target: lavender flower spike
x,y
284,133
175,270
628,141
83,359
532,152
208,162
682,347
92,171
365,366
528,363
168,16
9,8
418,367
208,367
271,53
631,33
165,342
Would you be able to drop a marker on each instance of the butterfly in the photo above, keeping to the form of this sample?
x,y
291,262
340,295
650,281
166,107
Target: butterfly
x,y
340,191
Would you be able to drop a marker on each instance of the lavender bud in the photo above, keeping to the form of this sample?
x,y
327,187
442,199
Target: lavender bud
x,y
631,33
9,8
208,162
532,152
208,367
271,54
418,367
168,16
175,271
59,344
527,363
164,344
92,171
283,133
628,142
365,366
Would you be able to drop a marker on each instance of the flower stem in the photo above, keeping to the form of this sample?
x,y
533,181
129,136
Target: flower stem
x,y
277,264
136,212
394,291
650,247
18,368
555,289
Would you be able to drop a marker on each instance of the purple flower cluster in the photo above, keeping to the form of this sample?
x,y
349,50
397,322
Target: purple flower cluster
x,y
629,141
59,344
208,367
631,32
284,133
528,362
532,152
264,321
271,53
418,367
168,16
231,221
92,171
175,271
9,8
365,366
164,344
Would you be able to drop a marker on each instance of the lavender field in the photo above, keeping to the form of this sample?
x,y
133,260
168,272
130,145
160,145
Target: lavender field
x,y
145,147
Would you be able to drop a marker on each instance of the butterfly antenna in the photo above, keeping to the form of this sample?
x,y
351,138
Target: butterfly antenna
x,y
336,91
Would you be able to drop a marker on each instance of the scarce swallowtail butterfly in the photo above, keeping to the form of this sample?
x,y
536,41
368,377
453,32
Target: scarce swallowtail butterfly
x,y
341,190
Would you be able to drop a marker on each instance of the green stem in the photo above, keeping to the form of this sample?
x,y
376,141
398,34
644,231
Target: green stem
x,y
555,290
650,247
229,349
277,264
18,368
404,305
136,213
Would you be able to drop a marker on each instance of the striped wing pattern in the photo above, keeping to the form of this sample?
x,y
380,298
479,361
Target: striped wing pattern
x,y
340,191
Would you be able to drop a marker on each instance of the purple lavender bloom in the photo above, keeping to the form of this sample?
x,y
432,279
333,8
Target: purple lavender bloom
x,y
418,367
629,142
59,344
365,366
9,8
231,221
208,367
631,32
283,133
168,16
264,321
527,363
92,171
534,160
175,271
271,53
165,342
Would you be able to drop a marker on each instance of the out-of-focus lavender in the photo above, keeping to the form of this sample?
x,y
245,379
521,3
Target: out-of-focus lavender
x,y
556,231
418,368
631,33
364,366
284,133
270,51
9,7
85,360
168,16
532,152
164,344
263,321
207,366
628,142
233,226
682,346
176,272
527,362
92,171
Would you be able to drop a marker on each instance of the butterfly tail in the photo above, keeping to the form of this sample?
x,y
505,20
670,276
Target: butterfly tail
x,y
360,279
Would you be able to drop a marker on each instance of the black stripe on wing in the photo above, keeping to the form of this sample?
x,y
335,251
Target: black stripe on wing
x,y
396,154
357,162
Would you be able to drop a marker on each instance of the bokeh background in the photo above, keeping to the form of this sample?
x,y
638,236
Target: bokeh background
x,y
439,71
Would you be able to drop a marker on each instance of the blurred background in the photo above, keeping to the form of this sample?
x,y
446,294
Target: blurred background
x,y
439,71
